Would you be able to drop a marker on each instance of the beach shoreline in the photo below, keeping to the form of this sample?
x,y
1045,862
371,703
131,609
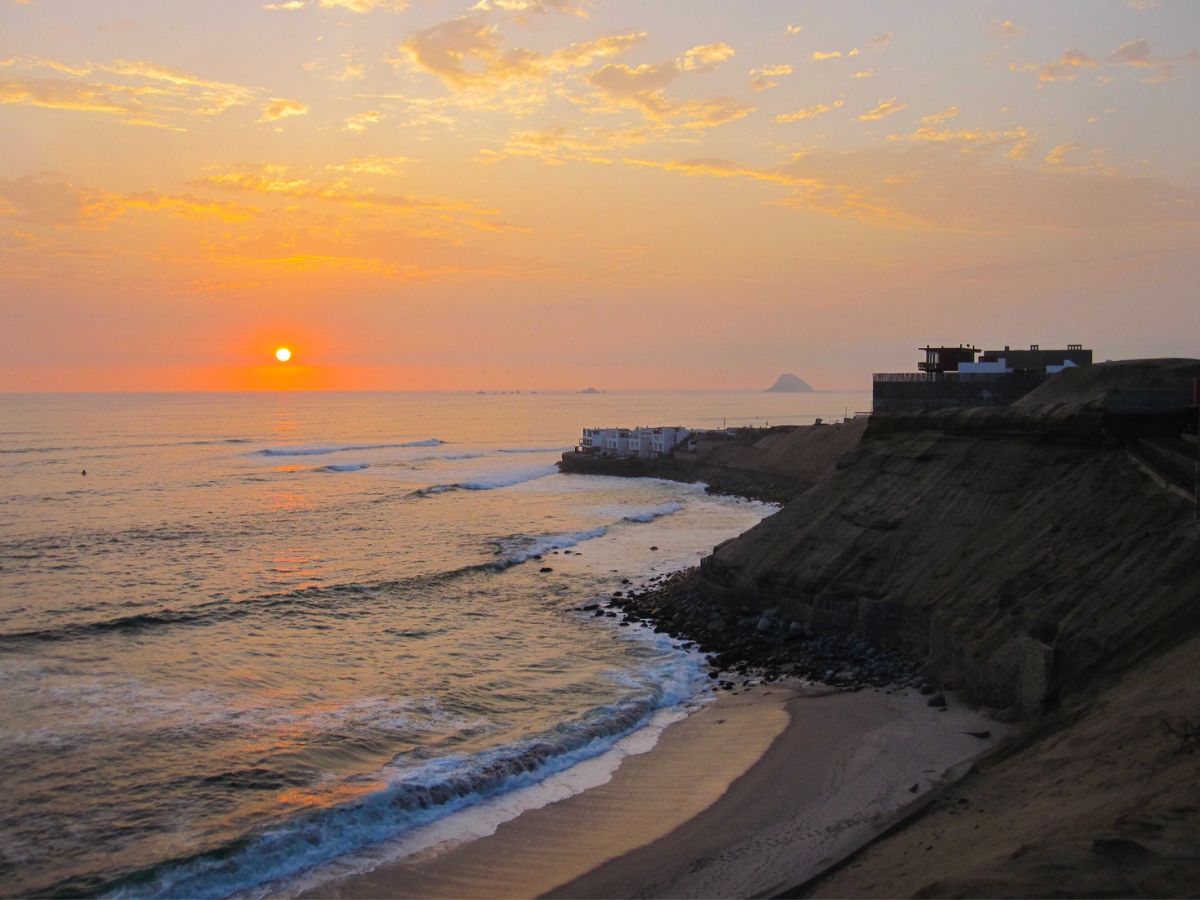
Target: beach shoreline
x,y
754,793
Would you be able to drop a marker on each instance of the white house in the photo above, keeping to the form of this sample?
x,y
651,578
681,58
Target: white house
x,y
642,443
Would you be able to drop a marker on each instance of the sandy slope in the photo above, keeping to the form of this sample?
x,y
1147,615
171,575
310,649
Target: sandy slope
x,y
1100,801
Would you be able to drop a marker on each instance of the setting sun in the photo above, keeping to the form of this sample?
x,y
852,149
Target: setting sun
x,y
283,354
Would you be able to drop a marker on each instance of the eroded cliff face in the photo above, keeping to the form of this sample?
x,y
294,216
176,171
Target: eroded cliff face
x,y
1019,559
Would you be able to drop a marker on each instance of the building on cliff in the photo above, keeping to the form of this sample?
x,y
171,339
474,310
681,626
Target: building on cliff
x,y
951,377
639,443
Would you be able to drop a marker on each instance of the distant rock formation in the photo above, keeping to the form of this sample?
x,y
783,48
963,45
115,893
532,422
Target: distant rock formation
x,y
787,383
591,390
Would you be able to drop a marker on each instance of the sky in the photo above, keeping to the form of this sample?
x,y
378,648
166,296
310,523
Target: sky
x,y
551,194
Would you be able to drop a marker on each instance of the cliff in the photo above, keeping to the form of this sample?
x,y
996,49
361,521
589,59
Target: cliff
x,y
1027,559
1018,554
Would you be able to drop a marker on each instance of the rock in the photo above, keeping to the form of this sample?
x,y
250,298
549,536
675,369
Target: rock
x,y
937,700
914,789
787,383
982,735
764,626
653,548
545,569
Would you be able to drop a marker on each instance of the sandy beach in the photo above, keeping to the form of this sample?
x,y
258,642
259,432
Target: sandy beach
x,y
756,792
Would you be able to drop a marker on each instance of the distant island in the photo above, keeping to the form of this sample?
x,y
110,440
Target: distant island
x,y
787,383
591,390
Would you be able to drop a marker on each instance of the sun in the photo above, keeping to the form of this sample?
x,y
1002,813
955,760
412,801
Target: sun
x,y
283,354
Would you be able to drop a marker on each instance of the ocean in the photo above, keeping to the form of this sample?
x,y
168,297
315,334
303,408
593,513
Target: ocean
x,y
267,638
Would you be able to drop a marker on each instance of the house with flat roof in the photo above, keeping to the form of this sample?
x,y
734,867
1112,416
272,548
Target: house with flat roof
x,y
966,376
637,443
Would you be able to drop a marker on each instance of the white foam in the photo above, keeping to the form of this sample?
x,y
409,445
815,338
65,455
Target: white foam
x,y
483,819
490,483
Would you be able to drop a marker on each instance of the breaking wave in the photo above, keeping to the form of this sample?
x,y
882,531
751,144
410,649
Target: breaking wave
x,y
414,796
650,515
321,451
488,484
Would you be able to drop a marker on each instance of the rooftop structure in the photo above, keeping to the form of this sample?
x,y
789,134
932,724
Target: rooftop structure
x,y
953,377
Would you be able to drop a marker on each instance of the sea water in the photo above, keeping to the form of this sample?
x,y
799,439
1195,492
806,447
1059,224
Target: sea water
x,y
266,632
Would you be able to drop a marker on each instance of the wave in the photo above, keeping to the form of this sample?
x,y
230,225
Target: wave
x,y
344,599
414,796
342,467
534,450
321,451
488,484
88,448
650,515
521,548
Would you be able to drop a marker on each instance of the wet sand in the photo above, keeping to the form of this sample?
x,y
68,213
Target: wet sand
x,y
753,794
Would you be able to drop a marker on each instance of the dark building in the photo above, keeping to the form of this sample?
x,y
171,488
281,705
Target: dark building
x,y
946,359
952,377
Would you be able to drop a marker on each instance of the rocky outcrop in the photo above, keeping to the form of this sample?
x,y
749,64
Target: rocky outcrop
x,y
787,383
772,464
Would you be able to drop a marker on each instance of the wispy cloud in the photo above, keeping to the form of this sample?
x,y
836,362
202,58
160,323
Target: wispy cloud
x,y
884,109
139,92
468,53
949,112
1006,28
762,78
279,108
810,112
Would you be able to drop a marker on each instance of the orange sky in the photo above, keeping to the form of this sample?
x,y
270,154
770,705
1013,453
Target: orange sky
x,y
556,193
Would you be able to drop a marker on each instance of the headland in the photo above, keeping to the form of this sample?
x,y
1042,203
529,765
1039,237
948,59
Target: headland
x,y
1000,605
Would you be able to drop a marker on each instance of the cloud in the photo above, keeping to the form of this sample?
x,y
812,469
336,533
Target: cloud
x,y
372,165
360,122
821,55
809,112
884,109
48,201
1064,158
143,92
277,180
278,109
934,186
1005,28
760,78
704,57
51,201
1066,68
949,112
364,6
882,40
864,73
1135,54
793,30
286,6
466,53
641,87
1017,142
540,7
557,144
